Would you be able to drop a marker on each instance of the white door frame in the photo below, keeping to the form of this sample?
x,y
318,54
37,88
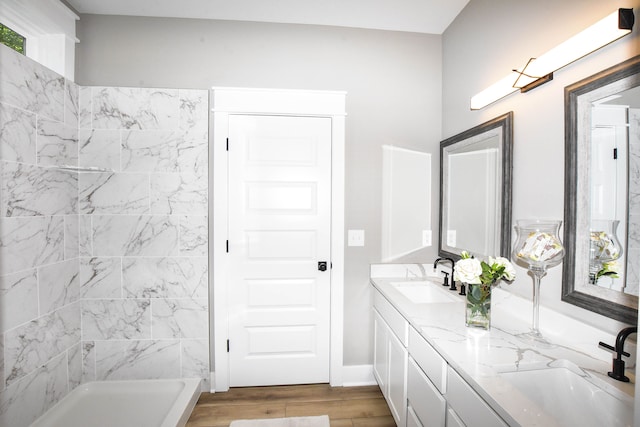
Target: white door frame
x,y
228,101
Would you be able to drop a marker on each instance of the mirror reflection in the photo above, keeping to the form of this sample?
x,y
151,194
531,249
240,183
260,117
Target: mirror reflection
x,y
602,191
615,147
475,190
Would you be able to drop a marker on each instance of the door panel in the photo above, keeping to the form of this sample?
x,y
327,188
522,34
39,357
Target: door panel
x,y
279,229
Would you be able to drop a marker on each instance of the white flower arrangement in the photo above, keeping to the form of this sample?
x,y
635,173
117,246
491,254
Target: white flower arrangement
x,y
473,271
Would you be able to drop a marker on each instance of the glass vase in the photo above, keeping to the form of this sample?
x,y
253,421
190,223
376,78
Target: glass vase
x,y
604,247
538,247
478,307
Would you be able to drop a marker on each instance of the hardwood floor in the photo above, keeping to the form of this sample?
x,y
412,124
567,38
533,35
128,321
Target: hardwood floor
x,y
346,406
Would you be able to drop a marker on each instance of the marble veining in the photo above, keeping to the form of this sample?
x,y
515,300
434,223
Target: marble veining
x,y
165,277
143,359
134,235
88,361
17,134
194,110
85,240
150,151
105,193
99,148
100,277
178,194
192,152
632,285
27,242
195,358
116,319
57,143
74,358
23,402
134,108
18,299
27,85
58,285
85,111
179,318
194,235
71,107
31,345
31,190
71,237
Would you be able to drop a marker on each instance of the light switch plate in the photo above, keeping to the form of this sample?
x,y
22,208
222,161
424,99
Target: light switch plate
x,y
355,238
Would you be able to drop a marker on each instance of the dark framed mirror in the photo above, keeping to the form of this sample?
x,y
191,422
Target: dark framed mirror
x,y
475,190
601,270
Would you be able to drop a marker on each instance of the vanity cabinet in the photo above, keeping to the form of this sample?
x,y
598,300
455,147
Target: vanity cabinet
x,y
391,356
420,387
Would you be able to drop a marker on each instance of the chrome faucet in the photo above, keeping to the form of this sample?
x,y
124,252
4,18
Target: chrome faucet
x,y
617,372
446,276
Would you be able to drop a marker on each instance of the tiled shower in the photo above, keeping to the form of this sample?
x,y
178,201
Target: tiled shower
x,y
103,268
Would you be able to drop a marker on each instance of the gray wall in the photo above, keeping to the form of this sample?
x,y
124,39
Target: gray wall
x,y
487,40
393,82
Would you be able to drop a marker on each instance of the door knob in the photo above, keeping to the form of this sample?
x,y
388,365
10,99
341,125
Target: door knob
x,y
322,265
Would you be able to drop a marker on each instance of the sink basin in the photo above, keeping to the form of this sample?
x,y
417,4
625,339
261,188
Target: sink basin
x,y
425,292
569,398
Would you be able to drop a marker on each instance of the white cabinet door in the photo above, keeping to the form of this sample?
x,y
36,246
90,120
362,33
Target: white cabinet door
x,y
380,353
397,380
412,418
390,368
453,420
425,399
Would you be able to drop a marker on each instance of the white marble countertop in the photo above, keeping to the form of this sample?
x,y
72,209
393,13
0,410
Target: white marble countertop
x,y
478,355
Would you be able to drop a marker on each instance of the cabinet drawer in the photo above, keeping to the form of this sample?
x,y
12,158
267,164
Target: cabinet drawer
x,y
470,407
426,401
428,359
394,319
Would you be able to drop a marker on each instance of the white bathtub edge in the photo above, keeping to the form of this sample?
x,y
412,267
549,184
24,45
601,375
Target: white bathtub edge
x,y
184,404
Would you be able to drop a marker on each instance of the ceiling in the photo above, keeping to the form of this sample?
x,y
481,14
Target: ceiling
x,y
421,16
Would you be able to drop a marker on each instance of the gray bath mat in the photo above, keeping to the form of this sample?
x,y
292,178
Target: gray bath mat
x,y
320,421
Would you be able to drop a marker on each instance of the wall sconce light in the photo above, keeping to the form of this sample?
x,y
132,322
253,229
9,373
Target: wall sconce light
x,y
540,70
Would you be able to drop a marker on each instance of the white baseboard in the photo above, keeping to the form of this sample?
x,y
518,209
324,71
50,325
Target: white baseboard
x,y
358,375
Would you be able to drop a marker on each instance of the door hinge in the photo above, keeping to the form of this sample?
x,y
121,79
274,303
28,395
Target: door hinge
x,y
227,346
227,246
615,154
227,144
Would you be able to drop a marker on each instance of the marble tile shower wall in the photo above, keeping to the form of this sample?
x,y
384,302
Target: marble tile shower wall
x,y
103,275
40,309
143,233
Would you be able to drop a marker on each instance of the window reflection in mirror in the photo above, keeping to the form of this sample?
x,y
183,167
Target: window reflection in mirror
x,y
406,202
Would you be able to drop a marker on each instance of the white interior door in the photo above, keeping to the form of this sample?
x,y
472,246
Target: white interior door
x,y
279,231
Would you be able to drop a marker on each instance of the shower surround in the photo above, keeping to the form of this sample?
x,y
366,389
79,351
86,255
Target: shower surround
x,y
103,275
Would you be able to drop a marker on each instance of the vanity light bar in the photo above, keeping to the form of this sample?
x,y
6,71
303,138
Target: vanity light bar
x,y
540,70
